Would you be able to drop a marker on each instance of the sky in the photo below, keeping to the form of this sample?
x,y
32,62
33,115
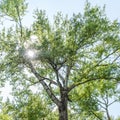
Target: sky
x,y
69,7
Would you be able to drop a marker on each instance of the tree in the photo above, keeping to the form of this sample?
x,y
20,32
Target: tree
x,y
61,56
27,107
108,97
95,99
118,118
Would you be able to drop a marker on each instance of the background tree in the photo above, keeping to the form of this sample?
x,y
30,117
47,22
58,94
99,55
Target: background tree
x,y
95,103
27,107
62,56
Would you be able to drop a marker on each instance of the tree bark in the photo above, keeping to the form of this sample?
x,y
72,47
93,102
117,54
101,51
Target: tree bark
x,y
63,107
108,116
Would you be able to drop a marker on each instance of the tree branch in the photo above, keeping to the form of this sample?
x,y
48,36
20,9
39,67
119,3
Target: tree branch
x,y
106,57
61,64
67,75
57,77
62,78
95,115
86,81
116,59
50,82
112,102
54,66
41,80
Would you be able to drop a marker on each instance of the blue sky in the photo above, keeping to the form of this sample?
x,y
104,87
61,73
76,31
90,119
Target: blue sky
x,y
69,7
74,6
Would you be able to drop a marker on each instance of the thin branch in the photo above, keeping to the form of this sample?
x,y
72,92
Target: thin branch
x,y
101,102
112,102
89,80
61,64
98,63
102,106
33,83
106,57
57,76
54,66
79,83
67,75
50,81
62,78
116,58
107,100
6,17
96,115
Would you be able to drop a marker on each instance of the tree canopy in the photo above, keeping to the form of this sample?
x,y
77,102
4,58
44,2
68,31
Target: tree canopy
x,y
74,62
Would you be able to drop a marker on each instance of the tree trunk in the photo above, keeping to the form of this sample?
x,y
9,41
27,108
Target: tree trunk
x,y
108,116
63,108
63,115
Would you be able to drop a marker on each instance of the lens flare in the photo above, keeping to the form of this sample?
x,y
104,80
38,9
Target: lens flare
x,y
30,54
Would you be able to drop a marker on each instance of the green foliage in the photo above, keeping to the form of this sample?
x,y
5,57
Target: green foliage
x,y
33,109
30,107
79,55
13,8
118,118
5,117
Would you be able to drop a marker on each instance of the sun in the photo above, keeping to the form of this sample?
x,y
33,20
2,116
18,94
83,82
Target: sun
x,y
30,54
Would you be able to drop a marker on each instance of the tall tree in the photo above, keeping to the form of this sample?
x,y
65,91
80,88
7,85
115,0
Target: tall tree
x,y
60,56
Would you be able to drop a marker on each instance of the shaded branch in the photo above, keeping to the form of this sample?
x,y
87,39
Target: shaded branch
x,y
50,81
58,81
54,66
61,64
